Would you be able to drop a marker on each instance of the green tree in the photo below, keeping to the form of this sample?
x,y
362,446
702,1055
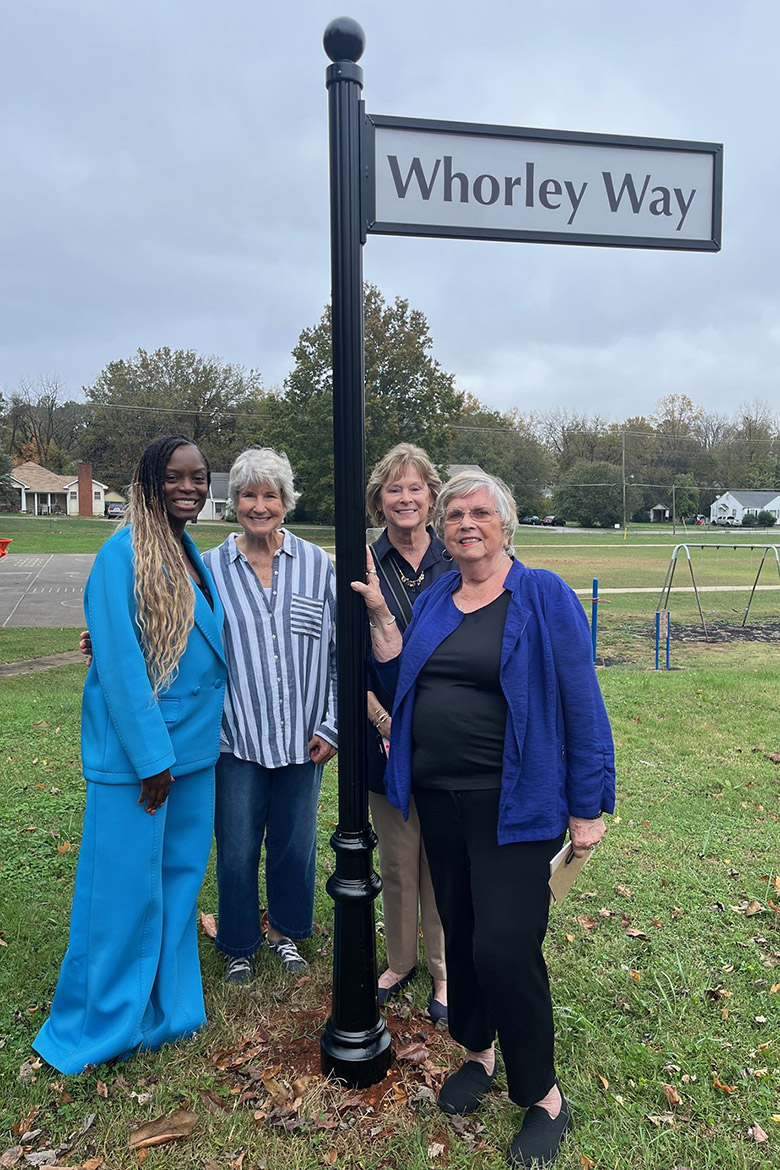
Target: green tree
x,y
7,494
686,496
592,493
506,446
407,397
135,400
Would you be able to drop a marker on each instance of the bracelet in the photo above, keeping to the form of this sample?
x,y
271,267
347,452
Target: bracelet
x,y
375,625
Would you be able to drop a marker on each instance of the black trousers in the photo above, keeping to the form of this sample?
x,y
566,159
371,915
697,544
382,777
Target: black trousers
x,y
493,901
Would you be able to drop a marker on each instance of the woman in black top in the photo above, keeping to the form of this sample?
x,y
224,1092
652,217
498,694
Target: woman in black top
x,y
407,557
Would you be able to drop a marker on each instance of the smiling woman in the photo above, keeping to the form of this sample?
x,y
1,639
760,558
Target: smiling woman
x,y
151,713
279,727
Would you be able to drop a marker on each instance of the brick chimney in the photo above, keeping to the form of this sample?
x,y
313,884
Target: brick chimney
x,y
85,489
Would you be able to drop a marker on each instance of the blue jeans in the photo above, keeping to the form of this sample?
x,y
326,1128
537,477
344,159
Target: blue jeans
x,y
280,805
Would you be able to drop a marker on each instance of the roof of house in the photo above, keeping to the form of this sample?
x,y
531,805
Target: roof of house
x,y
753,499
219,485
39,479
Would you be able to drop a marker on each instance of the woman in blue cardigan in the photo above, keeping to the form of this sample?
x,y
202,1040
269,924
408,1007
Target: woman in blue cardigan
x,y
151,716
499,732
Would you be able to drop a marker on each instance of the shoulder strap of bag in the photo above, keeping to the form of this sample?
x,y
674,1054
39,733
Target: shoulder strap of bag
x,y
395,585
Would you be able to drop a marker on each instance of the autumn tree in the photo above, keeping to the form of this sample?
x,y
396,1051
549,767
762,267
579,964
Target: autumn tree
x,y
39,425
408,396
135,400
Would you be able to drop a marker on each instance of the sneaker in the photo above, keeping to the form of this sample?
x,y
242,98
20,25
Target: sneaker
x,y
287,954
238,969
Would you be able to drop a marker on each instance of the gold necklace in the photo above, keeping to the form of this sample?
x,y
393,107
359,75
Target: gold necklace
x,y
407,581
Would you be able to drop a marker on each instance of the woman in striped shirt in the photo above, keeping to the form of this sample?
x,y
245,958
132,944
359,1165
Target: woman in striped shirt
x,y
279,723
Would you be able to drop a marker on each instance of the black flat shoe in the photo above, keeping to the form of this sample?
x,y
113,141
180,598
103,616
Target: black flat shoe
x,y
386,993
539,1138
462,1092
436,1009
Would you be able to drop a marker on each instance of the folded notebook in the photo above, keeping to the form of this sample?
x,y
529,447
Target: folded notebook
x,y
565,868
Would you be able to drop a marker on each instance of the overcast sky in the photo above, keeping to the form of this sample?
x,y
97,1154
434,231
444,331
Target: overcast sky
x,y
165,183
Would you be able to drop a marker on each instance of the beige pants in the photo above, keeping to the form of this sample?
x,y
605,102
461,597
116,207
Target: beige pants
x,y
406,883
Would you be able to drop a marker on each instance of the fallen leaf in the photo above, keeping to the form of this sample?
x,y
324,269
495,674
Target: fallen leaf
x,y
672,1096
586,921
757,1133
163,1129
331,1156
624,892
724,1088
604,1082
436,1149
11,1157
102,1090
774,988
659,1119
587,1162
635,976
413,1053
214,1103
208,925
28,1070
632,932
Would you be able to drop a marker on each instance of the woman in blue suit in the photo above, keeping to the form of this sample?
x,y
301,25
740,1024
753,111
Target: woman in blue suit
x,y
151,714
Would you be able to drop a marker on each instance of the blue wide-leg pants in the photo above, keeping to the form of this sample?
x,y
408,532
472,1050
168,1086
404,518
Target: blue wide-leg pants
x,y
130,979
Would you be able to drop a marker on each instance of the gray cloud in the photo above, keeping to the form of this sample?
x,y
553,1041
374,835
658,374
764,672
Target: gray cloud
x,y
166,184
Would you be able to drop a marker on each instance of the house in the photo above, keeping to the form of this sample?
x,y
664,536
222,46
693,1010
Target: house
x,y
659,513
218,497
43,493
738,504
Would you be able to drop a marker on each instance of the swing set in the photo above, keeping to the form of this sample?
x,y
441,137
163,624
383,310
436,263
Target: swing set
x,y
663,603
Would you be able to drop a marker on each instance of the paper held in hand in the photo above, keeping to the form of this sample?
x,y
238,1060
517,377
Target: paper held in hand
x,y
565,868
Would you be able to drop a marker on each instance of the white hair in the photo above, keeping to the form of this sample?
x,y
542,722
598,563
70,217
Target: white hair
x,y
262,465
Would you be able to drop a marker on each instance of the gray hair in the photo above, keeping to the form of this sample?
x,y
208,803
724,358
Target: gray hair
x,y
465,484
262,465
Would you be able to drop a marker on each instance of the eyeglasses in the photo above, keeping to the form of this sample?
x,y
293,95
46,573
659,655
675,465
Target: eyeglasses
x,y
480,515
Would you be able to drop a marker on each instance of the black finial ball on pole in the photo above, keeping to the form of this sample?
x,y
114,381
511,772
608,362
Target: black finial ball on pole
x,y
344,39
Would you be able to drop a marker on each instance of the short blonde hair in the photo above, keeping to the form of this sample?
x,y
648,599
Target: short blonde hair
x,y
465,484
263,465
390,467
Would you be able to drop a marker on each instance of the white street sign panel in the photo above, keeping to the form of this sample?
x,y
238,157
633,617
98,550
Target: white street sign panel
x,y
496,182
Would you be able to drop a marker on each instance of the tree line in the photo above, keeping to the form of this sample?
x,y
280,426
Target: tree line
x,y
584,466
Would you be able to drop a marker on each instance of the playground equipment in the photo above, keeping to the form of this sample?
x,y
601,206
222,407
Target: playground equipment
x,y
663,602
4,543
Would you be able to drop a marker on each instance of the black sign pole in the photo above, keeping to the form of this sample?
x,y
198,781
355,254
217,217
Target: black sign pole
x,y
355,1045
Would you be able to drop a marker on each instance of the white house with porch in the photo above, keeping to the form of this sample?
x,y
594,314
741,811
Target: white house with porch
x,y
736,505
43,493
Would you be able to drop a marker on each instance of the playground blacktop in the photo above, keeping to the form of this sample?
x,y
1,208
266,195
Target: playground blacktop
x,y
43,589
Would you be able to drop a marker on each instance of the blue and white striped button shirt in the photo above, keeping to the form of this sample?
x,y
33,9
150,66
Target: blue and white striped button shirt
x,y
280,651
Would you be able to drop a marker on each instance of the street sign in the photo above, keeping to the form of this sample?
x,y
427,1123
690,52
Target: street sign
x,y
459,179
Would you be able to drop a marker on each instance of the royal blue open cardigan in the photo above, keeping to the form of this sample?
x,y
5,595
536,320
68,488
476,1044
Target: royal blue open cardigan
x,y
558,752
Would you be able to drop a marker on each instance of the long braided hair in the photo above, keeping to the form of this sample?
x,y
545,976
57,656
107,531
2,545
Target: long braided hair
x,y
163,591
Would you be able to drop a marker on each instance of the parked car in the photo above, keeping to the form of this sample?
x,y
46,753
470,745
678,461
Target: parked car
x,y
115,511
554,521
726,521
530,520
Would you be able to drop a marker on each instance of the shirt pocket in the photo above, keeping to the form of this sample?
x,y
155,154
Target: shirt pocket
x,y
306,616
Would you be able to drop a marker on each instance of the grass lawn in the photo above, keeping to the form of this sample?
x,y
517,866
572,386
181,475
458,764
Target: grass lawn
x,y
665,965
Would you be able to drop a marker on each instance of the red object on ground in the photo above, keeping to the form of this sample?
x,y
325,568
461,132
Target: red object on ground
x,y
4,543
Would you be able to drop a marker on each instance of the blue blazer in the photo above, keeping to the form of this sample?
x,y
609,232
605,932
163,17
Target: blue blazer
x,y
558,755
127,734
